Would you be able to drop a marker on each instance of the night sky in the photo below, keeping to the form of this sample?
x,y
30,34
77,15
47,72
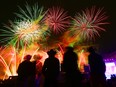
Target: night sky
x,y
107,41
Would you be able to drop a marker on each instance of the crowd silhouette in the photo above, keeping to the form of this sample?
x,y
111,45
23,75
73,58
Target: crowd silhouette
x,y
52,71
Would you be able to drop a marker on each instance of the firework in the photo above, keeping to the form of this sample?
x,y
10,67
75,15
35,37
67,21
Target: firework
x,y
28,29
57,19
32,13
88,24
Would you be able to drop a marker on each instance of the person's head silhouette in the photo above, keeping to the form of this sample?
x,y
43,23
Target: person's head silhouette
x,y
69,48
91,49
27,57
51,52
37,57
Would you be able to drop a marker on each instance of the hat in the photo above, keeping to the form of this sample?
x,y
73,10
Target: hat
x,y
51,52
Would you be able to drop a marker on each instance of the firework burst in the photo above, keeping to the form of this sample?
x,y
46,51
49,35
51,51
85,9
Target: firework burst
x,y
31,13
88,24
28,29
57,19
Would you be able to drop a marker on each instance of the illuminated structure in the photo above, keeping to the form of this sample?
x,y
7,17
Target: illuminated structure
x,y
110,61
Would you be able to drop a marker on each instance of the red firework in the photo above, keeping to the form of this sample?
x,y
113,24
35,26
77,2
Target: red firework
x,y
57,19
88,24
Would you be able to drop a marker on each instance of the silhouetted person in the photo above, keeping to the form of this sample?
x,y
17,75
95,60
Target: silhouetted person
x,y
26,73
51,69
38,71
73,75
97,69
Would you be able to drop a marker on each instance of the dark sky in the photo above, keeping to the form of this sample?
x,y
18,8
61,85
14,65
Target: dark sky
x,y
107,41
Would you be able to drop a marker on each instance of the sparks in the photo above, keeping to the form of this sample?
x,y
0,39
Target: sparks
x,y
26,30
88,24
57,19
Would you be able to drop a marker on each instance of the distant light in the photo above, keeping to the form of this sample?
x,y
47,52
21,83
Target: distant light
x,y
110,69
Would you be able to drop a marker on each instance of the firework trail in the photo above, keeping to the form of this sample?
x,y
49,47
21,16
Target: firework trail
x,y
88,23
57,19
32,13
